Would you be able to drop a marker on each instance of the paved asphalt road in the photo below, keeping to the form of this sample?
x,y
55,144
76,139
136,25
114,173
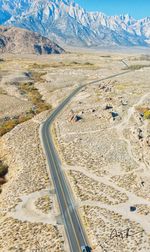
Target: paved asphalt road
x,y
70,216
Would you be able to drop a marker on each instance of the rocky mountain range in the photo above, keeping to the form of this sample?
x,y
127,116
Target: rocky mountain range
x,y
64,21
21,41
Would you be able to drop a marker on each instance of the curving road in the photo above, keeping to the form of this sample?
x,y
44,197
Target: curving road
x,y
70,216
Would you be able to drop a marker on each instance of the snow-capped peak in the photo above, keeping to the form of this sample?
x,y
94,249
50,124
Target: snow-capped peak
x,y
66,21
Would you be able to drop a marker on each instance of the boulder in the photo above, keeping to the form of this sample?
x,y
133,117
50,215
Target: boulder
x,y
74,117
124,103
114,115
77,118
140,134
107,107
148,140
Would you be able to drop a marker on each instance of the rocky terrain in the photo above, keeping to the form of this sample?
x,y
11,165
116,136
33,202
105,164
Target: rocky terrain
x,y
68,23
28,207
27,199
23,228
103,140
16,40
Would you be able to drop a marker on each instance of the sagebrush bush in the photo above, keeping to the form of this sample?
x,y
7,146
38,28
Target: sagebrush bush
x,y
147,114
3,169
39,105
137,67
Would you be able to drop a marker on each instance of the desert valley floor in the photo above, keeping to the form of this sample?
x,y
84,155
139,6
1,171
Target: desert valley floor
x,y
103,140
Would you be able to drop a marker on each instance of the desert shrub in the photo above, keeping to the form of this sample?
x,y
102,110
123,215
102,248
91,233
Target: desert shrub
x,y
147,114
3,172
3,169
35,97
105,56
37,76
88,64
137,67
2,131
40,66
42,107
11,123
26,87
75,63
142,109
145,57
7,126
25,118
2,91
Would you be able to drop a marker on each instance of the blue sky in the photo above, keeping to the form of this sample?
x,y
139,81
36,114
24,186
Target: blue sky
x,y
136,8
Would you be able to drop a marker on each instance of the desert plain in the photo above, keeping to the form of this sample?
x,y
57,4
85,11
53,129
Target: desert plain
x,y
102,138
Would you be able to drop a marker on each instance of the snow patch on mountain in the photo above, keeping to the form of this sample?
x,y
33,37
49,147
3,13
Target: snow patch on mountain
x,y
67,22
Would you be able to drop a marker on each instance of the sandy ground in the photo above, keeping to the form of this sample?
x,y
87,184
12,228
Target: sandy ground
x,y
24,225
105,161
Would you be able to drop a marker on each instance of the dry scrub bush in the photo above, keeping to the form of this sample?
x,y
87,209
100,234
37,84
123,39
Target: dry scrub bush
x,y
39,106
137,67
3,169
147,114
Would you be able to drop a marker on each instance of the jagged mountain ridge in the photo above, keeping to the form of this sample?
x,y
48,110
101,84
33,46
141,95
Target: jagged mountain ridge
x,y
66,21
21,41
